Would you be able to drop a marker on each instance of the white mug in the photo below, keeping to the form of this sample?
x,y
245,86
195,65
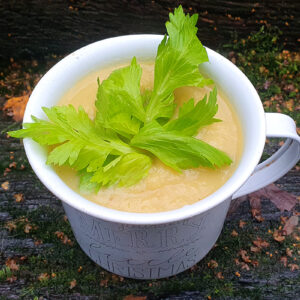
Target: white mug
x,y
157,245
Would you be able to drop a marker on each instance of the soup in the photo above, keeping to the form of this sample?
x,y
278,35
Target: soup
x,y
163,189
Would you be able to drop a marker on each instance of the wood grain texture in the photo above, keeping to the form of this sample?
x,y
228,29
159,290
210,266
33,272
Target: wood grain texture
x,y
33,28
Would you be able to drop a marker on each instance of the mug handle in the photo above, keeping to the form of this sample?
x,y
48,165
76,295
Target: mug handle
x,y
278,126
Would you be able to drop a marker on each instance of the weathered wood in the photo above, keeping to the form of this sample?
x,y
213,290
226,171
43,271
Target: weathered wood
x,y
38,29
33,28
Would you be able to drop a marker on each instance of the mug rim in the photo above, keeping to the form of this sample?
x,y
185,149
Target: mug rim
x,y
52,181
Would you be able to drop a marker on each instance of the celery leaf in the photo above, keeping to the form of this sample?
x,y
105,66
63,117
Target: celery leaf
x,y
119,102
192,117
176,64
176,150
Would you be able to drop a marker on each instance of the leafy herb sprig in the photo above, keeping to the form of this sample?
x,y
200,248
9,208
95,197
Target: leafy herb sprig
x,y
116,148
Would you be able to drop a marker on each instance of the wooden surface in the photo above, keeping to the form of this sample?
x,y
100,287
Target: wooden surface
x,y
33,231
34,28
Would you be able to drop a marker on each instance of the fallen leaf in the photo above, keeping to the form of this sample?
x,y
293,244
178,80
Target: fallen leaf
x,y
5,185
255,204
290,224
219,275
254,263
283,220
73,283
132,297
234,233
289,87
27,228
237,274
261,243
289,252
282,199
79,269
10,225
6,171
290,105
11,263
104,282
244,266
296,237
283,260
277,236
237,262
262,69
59,234
259,218
15,107
13,165
242,223
243,254
212,264
11,279
63,237
43,277
19,197
255,249
38,242
293,267
24,257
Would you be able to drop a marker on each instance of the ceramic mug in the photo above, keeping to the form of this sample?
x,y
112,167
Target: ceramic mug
x,y
157,245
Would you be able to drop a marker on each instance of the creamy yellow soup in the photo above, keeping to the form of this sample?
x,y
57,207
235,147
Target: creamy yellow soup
x,y
163,189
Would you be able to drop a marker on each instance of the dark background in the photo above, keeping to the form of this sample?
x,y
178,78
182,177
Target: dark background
x,y
34,28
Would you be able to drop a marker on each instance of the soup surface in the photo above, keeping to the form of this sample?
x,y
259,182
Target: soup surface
x,y
163,189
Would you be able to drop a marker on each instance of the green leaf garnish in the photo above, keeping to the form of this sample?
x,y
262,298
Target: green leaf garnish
x,y
117,147
192,117
176,64
177,150
119,102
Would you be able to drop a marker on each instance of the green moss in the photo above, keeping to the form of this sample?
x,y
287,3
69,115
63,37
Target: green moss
x,y
272,70
5,273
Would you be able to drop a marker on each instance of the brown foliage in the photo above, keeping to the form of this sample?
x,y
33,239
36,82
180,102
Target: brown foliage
x,y
43,277
11,263
73,283
19,197
290,224
212,264
283,260
244,256
261,243
15,107
5,185
132,297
